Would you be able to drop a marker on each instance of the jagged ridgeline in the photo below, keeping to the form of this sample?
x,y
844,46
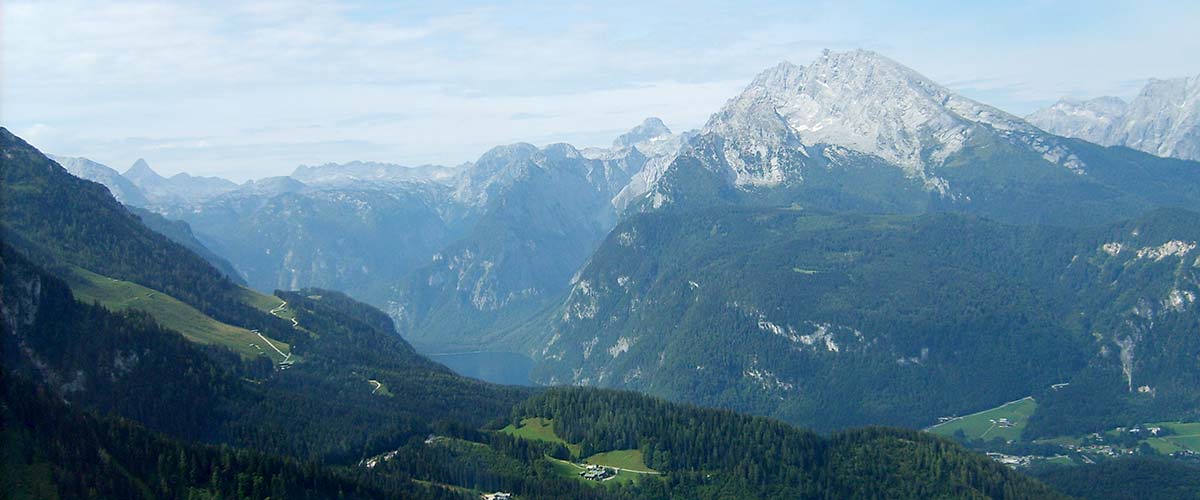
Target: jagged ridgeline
x,y
146,405
856,131
1163,119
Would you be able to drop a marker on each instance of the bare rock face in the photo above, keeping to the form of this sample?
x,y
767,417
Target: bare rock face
x,y
1164,119
860,103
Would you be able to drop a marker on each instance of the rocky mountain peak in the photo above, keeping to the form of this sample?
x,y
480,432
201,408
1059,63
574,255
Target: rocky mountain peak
x,y
858,100
1163,119
1090,118
141,173
649,129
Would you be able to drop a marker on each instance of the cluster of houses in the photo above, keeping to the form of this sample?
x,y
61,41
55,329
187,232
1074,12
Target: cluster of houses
x,y
1153,431
1010,460
499,495
370,463
597,473
1003,422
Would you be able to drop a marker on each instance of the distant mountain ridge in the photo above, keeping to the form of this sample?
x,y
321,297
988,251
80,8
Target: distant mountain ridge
x,y
371,171
123,189
1163,119
180,188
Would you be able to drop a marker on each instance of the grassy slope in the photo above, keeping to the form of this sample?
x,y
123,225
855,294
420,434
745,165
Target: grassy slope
x,y
571,470
979,425
539,429
1185,438
267,303
623,459
120,295
260,301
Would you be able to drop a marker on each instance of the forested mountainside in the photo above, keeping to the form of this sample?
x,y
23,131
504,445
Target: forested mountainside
x,y
324,409
56,219
53,450
180,232
837,320
352,408
865,463
1127,479
135,368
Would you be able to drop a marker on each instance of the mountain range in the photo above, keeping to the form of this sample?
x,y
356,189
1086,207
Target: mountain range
x,y
132,368
1163,119
808,310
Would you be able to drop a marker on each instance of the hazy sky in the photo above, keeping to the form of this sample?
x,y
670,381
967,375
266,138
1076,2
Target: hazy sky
x,y
251,89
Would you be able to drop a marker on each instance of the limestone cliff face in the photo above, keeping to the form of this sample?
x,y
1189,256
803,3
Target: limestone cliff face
x,y
1164,119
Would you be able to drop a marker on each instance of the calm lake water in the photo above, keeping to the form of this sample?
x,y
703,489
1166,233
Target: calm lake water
x,y
510,368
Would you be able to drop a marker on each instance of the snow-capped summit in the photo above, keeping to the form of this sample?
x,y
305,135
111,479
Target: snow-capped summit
x,y
858,100
1164,119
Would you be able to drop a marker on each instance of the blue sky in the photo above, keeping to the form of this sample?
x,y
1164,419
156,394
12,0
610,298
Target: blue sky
x,y
252,89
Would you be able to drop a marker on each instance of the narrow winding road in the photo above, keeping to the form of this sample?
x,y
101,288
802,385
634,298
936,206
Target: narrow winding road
x,y
275,312
286,356
295,324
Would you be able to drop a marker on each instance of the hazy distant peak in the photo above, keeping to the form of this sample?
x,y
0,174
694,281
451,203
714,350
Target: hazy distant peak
x,y
120,187
270,186
650,128
141,171
509,152
561,150
1163,119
